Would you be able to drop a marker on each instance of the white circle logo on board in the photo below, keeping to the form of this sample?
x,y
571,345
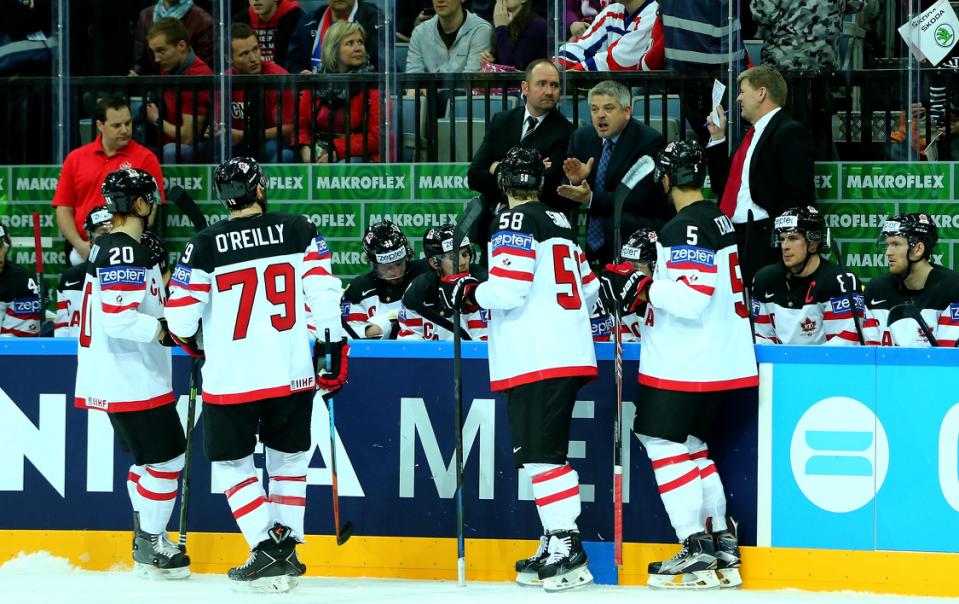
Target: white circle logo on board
x,y
839,454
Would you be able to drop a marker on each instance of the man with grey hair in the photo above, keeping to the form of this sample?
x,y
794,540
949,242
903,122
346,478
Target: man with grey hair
x,y
598,158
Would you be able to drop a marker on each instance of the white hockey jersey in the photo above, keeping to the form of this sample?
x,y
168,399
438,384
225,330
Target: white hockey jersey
x,y
540,292
937,302
700,339
788,309
19,302
367,296
69,302
120,364
618,41
421,316
248,282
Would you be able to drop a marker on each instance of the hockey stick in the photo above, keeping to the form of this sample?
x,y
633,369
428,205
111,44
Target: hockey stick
x,y
834,246
344,532
465,223
41,290
640,170
182,200
909,310
747,283
188,455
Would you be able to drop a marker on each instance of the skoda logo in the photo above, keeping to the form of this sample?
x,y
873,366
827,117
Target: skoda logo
x,y
945,36
839,454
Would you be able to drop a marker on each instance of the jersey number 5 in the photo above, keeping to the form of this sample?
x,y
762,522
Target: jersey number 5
x,y
565,276
737,283
278,281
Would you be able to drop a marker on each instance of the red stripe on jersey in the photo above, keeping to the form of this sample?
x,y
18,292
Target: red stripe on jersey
x,y
312,256
771,339
232,490
708,471
512,251
703,289
543,374
17,332
551,474
181,301
597,26
163,475
62,305
252,395
193,287
947,320
288,500
243,511
59,325
518,275
126,406
590,277
662,384
699,454
123,287
762,320
415,322
571,492
405,333
870,323
156,496
133,477
843,335
357,316
947,343
476,324
288,478
668,461
691,266
112,308
681,481
317,271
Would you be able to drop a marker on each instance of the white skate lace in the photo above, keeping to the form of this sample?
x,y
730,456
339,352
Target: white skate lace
x,y
540,549
682,554
559,548
163,546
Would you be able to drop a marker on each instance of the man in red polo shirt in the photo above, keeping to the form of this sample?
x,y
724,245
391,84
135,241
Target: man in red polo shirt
x,y
78,190
184,119
267,117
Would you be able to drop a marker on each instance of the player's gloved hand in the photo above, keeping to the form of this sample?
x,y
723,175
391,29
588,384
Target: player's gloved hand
x,y
458,292
193,345
332,378
165,337
387,322
158,251
622,284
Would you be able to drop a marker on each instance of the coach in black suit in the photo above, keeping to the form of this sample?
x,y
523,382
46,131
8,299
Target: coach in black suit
x,y
537,124
598,158
776,157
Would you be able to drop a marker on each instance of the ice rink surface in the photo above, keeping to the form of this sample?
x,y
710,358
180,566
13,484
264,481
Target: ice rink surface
x,y
41,578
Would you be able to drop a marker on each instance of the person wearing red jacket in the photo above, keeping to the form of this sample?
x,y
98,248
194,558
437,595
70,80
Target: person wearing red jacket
x,y
340,121
274,22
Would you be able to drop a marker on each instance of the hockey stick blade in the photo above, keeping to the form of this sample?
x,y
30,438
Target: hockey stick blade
x,y
182,200
346,531
911,311
643,167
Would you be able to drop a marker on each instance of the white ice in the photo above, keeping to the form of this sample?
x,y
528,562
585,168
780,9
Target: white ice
x,y
42,578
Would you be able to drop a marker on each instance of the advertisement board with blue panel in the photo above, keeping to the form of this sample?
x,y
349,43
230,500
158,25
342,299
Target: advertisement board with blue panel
x,y
828,450
918,405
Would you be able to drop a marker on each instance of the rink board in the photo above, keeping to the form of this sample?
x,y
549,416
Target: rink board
x,y
62,487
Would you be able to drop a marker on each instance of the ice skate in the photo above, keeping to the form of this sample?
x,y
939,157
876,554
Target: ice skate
x,y
273,566
694,567
728,561
156,557
566,564
527,569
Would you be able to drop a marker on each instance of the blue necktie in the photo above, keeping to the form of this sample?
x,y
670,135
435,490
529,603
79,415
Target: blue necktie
x,y
594,233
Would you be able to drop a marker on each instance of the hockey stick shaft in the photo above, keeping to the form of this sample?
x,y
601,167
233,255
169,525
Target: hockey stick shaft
x,y
913,312
846,290
188,454
747,279
342,532
41,290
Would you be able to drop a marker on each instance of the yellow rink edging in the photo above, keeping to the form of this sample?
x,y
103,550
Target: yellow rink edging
x,y
906,573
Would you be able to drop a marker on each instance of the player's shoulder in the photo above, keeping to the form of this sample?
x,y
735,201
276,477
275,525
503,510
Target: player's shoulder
x,y
946,282
882,288
531,221
421,288
14,281
418,267
360,288
119,249
700,224
73,277
768,279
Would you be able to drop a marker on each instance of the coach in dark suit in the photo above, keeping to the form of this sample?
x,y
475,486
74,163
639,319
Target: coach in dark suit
x,y
537,124
771,170
598,158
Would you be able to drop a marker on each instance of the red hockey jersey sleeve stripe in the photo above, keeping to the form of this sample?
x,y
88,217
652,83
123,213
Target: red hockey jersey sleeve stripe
x,y
183,301
518,275
357,316
193,287
691,266
124,287
317,271
703,289
514,252
111,308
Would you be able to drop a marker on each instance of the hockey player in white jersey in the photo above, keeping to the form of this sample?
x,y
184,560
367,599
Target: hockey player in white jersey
x,y
372,302
539,292
913,288
805,299
245,283
123,369
70,287
19,295
697,351
422,316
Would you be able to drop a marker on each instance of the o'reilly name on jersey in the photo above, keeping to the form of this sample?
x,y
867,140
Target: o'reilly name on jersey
x,y
895,181
247,238
415,220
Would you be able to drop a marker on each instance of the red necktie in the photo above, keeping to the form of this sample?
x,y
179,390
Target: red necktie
x,y
735,180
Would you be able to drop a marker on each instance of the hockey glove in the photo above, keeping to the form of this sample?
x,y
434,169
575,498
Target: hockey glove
x,y
157,249
193,345
165,337
332,378
458,292
387,322
621,284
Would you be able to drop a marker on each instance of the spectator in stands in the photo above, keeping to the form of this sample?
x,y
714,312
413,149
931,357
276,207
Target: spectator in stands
x,y
598,158
198,24
78,188
184,116
450,42
802,36
520,35
580,13
274,22
625,36
537,124
771,170
266,115
341,120
306,47
409,15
